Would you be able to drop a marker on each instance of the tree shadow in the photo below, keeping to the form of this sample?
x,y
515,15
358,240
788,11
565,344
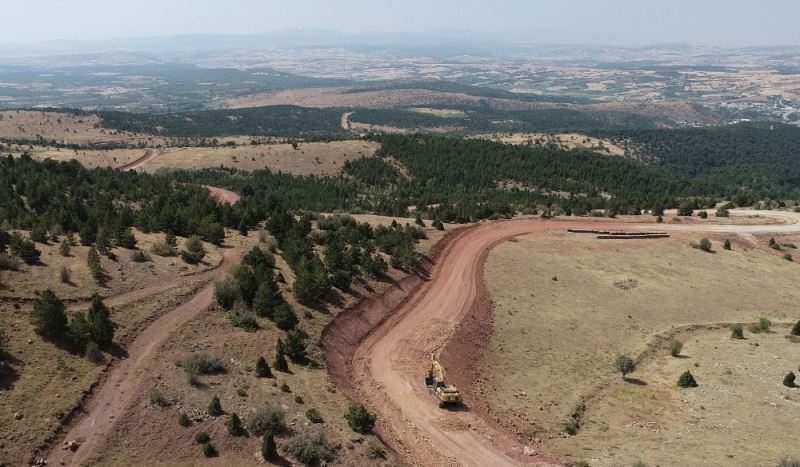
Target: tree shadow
x,y
636,381
8,371
681,356
116,350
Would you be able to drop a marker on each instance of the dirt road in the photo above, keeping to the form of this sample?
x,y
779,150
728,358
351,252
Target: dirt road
x,y
222,196
149,155
346,120
389,364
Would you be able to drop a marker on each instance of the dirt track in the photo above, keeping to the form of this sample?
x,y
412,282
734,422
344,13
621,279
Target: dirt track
x,y
149,155
110,400
388,365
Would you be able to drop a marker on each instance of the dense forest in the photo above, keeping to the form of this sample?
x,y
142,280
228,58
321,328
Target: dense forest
x,y
281,120
762,158
487,120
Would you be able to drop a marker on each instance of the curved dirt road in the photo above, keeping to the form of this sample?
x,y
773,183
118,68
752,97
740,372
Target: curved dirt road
x,y
389,363
149,155
110,400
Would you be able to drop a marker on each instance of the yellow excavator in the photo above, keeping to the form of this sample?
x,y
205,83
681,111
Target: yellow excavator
x,y
436,383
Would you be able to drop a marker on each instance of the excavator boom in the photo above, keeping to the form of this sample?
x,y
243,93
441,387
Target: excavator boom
x,y
436,382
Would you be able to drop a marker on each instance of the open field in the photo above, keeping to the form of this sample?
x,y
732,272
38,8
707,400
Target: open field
x,y
124,275
309,158
566,141
566,305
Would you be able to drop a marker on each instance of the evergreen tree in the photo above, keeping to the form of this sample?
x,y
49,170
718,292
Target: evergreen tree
x,y
268,298
624,365
262,368
268,449
280,357
796,329
295,345
686,380
215,408
64,248
234,425
93,260
243,228
87,234
100,324
247,283
360,419
726,245
48,317
284,317
789,379
79,331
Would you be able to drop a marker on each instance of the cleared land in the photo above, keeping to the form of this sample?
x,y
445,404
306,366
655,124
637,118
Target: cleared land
x,y
565,141
323,158
566,305
61,127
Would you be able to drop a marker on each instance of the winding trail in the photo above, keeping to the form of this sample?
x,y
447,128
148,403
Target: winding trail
x,y
387,366
148,156
114,395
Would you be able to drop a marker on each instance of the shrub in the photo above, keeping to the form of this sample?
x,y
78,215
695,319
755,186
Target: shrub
x,y
93,260
24,249
201,363
48,317
78,331
686,380
226,292
373,450
163,249
267,298
280,358
624,365
159,399
789,463
284,317
262,368
209,450
359,418
675,347
214,407
201,437
295,346
437,224
101,327
571,428
190,257
193,244
796,329
763,324
93,353
702,215
774,245
183,420
243,317
788,380
140,256
234,425
722,212
8,263
310,449
736,332
64,248
267,419
726,245
65,275
787,256
705,244
285,388
268,449
314,416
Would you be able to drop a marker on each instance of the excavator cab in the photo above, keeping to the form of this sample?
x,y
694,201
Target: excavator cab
x,y
437,385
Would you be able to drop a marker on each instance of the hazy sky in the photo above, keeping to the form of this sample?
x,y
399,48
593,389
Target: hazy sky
x,y
623,22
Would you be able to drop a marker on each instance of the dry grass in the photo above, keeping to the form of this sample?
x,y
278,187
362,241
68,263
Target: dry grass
x,y
565,141
61,127
560,320
88,158
124,274
309,158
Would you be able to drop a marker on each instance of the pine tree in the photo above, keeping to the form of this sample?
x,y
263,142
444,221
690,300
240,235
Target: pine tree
x,y
796,329
268,298
234,425
295,345
64,248
101,326
726,245
215,408
48,317
280,357
268,448
686,380
243,228
79,331
788,380
262,368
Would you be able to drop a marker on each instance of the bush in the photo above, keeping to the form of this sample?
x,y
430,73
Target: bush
x,y
193,244
285,388
163,249
310,449
48,317
268,449
763,324
234,425
64,248
8,263
215,408
796,329
201,437
159,399
190,257
789,463
284,317
183,420
359,419
209,450
140,256
624,365
262,368
437,224
24,249
726,245
686,380
226,292
65,275
705,244
201,363
722,212
787,256
243,317
314,416
267,419
571,428
101,327
702,215
736,332
93,353
373,450
295,346
788,380
675,347
280,357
